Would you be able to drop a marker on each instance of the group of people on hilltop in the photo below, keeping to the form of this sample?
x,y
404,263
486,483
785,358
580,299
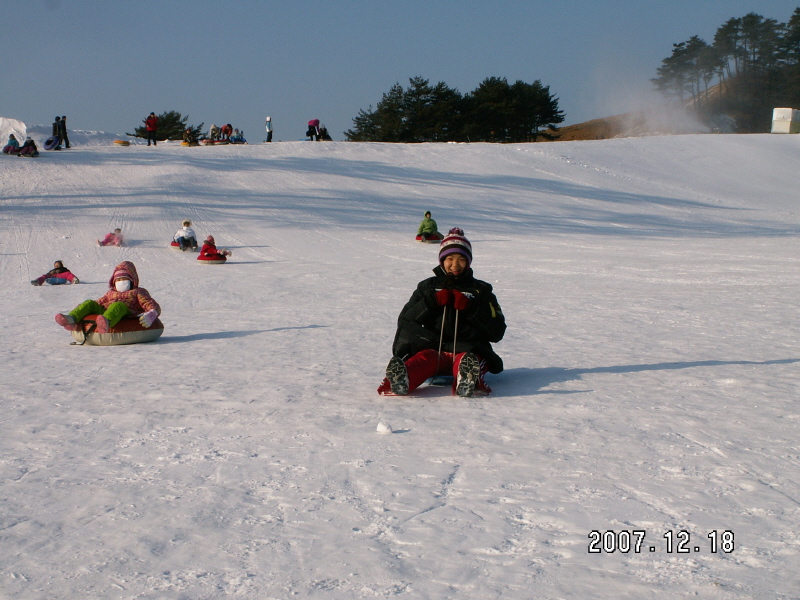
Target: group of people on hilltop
x,y
317,132
226,133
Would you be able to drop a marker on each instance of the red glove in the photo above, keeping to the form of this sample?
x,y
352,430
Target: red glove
x,y
460,301
443,297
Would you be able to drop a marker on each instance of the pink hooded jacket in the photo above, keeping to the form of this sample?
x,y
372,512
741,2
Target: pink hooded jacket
x,y
137,299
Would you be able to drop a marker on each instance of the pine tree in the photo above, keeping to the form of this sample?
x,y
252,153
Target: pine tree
x,y
495,111
171,126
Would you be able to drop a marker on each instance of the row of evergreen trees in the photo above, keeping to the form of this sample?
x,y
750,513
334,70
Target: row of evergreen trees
x,y
495,111
752,66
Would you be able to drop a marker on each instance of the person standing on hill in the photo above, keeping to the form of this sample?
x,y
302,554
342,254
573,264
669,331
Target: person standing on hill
x,y
151,125
313,130
64,136
57,133
269,129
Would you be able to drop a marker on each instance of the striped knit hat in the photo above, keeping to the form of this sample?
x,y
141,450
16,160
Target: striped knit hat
x,y
455,242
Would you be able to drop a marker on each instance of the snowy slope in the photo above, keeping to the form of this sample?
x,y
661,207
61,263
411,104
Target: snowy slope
x,y
650,286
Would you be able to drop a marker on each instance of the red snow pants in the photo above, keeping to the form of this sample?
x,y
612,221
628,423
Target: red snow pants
x,y
429,363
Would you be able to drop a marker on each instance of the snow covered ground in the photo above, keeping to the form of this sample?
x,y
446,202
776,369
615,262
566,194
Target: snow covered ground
x,y
650,287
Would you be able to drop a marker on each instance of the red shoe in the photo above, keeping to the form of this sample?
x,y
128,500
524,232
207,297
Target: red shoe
x,y
102,324
67,321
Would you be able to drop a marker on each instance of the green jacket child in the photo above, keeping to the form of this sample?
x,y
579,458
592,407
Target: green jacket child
x,y
428,230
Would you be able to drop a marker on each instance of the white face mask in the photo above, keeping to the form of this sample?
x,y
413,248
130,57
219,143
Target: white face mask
x,y
122,285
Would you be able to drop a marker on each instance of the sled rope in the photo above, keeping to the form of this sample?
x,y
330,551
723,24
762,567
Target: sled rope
x,y
85,333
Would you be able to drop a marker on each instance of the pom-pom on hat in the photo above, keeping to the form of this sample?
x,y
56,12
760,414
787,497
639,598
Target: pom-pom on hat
x,y
455,243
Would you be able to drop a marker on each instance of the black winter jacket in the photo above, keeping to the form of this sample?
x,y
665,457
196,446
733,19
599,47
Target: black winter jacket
x,y
482,323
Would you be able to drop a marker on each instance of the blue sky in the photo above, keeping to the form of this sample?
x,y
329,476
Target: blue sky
x,y
107,64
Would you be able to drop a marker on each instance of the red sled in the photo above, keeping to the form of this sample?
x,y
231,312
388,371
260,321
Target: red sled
x,y
176,246
216,259
430,238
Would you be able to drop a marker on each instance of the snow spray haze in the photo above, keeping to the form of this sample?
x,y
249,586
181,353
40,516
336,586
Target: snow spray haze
x,y
620,89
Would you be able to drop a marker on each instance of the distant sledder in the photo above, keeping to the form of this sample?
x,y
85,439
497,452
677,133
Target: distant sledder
x,y
185,238
12,146
238,137
209,254
112,239
428,231
126,314
28,149
58,275
189,138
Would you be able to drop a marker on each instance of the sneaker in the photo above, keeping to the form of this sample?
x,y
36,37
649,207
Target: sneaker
x,y
102,324
67,321
35,282
469,374
397,375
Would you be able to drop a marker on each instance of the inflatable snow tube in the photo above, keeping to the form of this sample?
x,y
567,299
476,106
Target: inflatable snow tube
x,y
122,143
212,260
127,331
431,238
50,143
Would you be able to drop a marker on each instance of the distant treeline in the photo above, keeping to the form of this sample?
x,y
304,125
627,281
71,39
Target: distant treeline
x,y
752,66
495,111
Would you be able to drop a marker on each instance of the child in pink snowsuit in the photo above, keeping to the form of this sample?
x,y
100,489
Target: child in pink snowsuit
x,y
58,274
112,239
124,298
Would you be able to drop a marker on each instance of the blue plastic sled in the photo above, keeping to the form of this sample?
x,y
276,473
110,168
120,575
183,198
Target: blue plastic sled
x,y
56,280
50,143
